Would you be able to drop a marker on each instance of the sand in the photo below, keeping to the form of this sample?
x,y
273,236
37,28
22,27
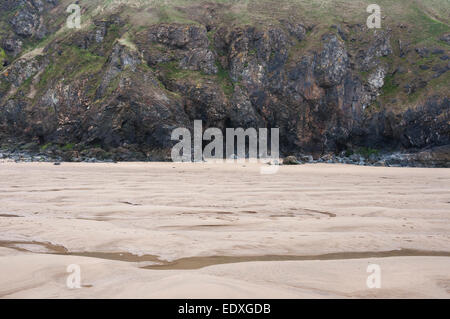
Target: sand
x,y
165,230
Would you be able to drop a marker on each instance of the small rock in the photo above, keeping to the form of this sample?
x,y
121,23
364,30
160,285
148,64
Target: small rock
x,y
438,51
290,160
306,158
423,52
445,38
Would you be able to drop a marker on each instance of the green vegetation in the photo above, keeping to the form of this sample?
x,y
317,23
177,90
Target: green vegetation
x,y
431,28
225,80
366,152
4,86
68,147
175,73
73,63
390,87
45,147
2,57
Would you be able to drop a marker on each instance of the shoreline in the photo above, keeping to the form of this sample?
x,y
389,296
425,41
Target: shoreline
x,y
393,159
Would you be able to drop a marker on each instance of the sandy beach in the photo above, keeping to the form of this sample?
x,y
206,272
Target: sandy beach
x,y
174,230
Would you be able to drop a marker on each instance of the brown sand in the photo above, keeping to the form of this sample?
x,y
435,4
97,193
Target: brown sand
x,y
223,231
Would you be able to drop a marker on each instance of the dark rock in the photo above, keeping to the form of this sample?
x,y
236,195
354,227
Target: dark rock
x,y
404,48
120,59
426,125
439,70
324,98
410,88
25,22
437,51
296,30
305,158
12,45
332,62
290,160
446,38
199,59
178,36
423,52
380,46
436,157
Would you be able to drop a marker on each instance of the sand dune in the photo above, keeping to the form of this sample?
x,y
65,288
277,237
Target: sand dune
x,y
165,230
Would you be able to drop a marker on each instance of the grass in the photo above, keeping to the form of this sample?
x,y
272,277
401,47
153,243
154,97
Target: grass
x,y
73,63
45,147
173,72
225,80
4,86
430,28
366,152
68,147
3,57
390,86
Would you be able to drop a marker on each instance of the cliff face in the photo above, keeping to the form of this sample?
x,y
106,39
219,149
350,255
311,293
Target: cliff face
x,y
116,90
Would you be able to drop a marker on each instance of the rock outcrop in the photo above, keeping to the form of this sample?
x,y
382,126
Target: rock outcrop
x,y
101,88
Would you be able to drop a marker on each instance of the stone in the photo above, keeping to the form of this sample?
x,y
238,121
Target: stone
x,y
290,160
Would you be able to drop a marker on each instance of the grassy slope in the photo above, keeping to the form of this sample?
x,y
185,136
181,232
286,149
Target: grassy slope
x,y
427,20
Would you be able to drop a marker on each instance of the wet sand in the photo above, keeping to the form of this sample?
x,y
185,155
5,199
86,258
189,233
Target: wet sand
x,y
165,230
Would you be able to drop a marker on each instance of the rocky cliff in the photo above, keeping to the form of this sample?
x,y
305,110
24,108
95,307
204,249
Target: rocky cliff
x,y
117,87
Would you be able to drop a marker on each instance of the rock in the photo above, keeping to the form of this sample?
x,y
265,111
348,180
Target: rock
x,y
381,163
128,92
439,70
178,36
25,23
306,158
332,62
403,47
409,88
380,46
445,38
438,51
356,158
376,79
436,157
296,30
12,45
242,113
423,52
32,147
290,160
120,58
199,59
94,153
22,69
328,158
